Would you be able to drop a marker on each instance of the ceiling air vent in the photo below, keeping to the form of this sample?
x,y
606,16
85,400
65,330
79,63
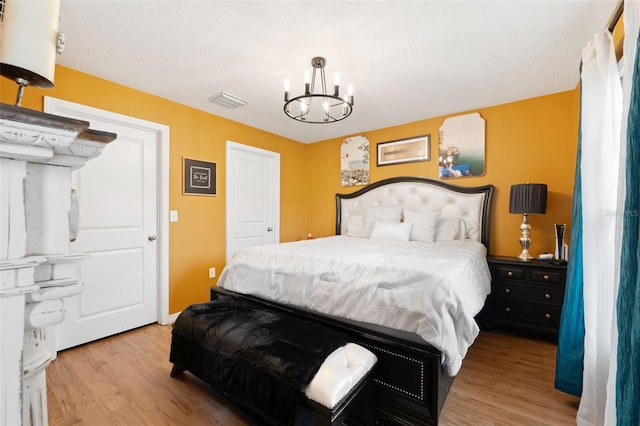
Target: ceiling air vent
x,y
227,100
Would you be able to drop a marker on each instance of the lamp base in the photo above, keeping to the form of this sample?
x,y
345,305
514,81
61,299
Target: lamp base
x,y
22,83
525,239
525,255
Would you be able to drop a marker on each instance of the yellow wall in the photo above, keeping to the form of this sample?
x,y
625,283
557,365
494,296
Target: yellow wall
x,y
532,140
197,241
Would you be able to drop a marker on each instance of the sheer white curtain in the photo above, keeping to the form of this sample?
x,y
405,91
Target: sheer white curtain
x,y
600,167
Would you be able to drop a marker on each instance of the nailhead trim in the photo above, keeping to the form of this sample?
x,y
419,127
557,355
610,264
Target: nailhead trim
x,y
421,396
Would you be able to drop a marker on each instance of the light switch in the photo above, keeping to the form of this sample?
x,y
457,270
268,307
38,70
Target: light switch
x,y
173,215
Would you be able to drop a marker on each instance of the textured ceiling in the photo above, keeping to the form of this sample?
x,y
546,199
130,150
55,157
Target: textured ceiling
x,y
407,60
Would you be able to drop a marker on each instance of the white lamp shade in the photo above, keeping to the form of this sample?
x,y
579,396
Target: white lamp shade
x,y
29,37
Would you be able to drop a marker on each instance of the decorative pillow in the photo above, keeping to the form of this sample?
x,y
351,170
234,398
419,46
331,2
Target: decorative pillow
x,y
424,225
354,226
451,228
391,231
372,214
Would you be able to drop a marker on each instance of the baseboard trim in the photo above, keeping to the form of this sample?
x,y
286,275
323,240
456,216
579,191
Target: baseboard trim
x,y
172,318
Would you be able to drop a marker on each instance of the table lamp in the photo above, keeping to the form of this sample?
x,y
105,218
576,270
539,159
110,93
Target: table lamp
x,y
29,42
526,199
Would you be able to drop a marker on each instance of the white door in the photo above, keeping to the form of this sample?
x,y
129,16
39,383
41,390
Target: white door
x,y
253,197
119,229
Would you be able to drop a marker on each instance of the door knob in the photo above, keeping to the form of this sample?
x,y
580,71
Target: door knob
x,y
269,229
152,237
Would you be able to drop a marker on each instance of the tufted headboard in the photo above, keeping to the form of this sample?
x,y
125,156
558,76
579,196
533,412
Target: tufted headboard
x,y
421,194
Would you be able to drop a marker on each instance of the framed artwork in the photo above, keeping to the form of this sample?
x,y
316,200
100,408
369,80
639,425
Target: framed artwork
x,y
199,177
354,161
404,150
461,147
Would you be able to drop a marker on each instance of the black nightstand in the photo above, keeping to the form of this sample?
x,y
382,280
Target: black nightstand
x,y
525,295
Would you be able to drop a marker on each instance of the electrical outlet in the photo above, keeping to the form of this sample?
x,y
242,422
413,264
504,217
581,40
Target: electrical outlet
x,y
212,272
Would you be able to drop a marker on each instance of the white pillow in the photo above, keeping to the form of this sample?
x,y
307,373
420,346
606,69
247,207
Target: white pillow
x,y
424,225
391,231
355,223
451,228
373,214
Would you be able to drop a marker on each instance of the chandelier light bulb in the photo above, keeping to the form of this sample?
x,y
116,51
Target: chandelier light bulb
x,y
287,91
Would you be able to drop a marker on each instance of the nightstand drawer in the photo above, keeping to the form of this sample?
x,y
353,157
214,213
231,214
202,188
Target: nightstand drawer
x,y
542,276
519,311
510,273
536,294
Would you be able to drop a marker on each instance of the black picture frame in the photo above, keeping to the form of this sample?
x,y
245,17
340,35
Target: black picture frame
x,y
199,177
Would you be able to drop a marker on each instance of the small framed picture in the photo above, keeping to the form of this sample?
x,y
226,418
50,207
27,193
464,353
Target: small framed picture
x,y
404,150
199,177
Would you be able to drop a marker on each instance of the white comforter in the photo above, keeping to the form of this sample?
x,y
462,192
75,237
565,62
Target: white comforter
x,y
431,289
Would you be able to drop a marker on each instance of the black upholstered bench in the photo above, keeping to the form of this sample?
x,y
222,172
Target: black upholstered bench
x,y
279,368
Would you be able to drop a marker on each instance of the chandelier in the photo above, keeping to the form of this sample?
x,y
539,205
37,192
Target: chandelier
x,y
319,107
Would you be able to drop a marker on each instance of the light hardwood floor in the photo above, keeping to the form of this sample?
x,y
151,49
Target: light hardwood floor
x,y
124,380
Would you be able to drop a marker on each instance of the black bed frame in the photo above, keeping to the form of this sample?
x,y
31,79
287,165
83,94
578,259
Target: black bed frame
x,y
411,379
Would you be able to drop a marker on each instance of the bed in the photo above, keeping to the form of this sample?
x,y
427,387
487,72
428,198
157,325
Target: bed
x,y
405,275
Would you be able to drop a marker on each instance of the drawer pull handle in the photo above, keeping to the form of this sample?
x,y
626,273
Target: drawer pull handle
x,y
508,310
546,277
507,291
547,316
547,296
509,274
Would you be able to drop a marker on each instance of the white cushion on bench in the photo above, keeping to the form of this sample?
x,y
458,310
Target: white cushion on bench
x,y
339,373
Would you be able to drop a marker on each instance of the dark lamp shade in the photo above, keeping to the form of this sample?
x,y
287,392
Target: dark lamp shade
x,y
530,198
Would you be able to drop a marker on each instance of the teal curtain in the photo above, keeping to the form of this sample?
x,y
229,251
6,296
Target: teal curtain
x,y
628,304
570,355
